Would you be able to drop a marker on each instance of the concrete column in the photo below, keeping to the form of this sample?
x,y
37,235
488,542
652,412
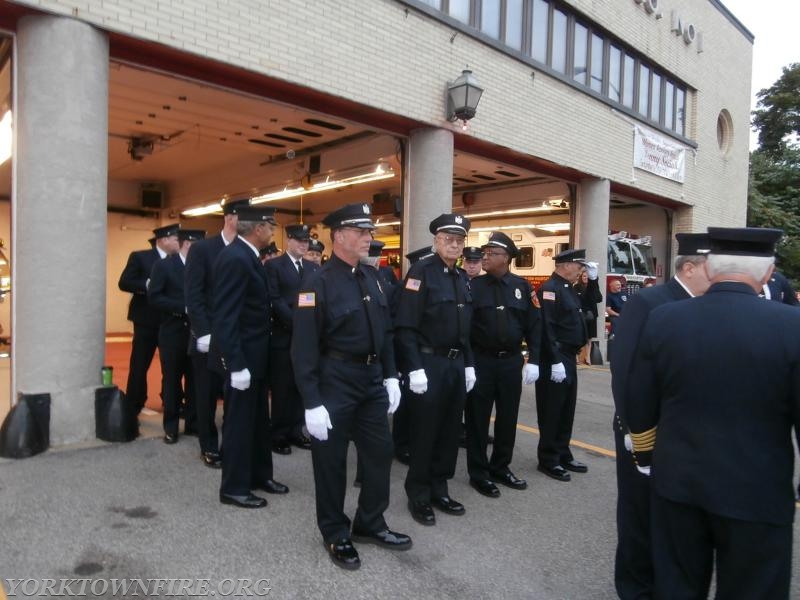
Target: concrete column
x,y
429,179
59,219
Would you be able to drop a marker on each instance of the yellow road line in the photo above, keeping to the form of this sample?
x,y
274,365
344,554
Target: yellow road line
x,y
579,444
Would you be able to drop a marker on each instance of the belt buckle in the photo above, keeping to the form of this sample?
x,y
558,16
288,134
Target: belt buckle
x,y
452,353
372,359
502,353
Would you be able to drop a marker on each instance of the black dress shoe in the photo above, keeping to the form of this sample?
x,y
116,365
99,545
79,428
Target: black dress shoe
x,y
510,480
403,456
281,447
422,512
575,466
273,487
211,459
386,538
448,505
246,501
557,472
170,438
303,442
485,487
343,554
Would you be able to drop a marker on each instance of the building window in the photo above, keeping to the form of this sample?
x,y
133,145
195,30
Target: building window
x,y
644,89
540,21
630,81
725,132
596,82
580,50
437,4
459,9
490,18
559,55
669,104
655,98
513,23
680,111
614,73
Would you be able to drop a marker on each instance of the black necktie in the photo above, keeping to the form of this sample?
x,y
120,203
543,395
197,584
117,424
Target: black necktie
x,y
502,312
299,264
368,306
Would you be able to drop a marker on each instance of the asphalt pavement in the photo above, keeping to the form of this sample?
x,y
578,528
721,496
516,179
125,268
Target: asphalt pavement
x,y
148,510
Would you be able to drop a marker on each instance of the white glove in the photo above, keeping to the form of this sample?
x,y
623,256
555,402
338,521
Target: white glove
x,y
392,386
240,379
591,270
469,378
318,421
530,373
418,381
203,343
643,470
628,442
558,373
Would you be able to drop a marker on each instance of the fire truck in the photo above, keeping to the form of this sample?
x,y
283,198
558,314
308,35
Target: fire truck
x,y
630,258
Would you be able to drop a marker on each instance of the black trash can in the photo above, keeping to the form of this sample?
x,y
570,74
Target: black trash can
x,y
26,429
114,418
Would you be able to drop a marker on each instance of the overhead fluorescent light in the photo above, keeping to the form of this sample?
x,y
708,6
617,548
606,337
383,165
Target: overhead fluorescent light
x,y
382,171
387,224
546,226
208,209
546,206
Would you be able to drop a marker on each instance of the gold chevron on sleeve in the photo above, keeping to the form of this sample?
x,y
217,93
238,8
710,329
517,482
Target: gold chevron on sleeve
x,y
645,441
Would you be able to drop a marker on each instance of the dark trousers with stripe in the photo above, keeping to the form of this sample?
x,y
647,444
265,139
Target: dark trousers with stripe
x,y
555,410
143,347
435,428
177,382
499,384
247,456
357,404
286,406
209,386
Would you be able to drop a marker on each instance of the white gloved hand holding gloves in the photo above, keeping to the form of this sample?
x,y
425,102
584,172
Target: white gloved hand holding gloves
x,y
591,270
392,386
318,422
469,378
418,381
558,373
240,379
530,373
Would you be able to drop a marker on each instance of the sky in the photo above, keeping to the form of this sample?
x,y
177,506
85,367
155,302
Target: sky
x,y
774,24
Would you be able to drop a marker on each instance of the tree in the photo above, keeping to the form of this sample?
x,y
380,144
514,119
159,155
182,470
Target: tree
x,y
774,185
777,115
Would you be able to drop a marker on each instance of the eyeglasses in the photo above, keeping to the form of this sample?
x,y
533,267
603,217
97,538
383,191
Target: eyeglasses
x,y
452,239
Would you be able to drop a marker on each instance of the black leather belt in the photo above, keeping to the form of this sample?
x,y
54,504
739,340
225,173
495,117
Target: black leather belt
x,y
363,359
497,353
568,349
451,353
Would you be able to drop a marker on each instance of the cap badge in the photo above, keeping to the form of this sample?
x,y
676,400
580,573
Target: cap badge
x,y
458,219
365,208
517,294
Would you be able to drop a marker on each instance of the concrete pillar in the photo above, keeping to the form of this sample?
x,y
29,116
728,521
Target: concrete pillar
x,y
429,181
59,218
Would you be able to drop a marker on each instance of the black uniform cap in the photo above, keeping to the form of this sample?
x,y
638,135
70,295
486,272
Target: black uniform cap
x,y
450,223
499,239
473,253
419,254
744,241
350,215
315,246
375,247
298,231
166,230
690,244
577,255
191,235
268,250
256,214
231,207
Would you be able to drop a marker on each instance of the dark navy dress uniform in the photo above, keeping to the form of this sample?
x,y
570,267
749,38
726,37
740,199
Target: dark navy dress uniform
x,y
503,316
781,290
342,350
166,293
563,335
432,328
146,321
718,382
286,412
240,331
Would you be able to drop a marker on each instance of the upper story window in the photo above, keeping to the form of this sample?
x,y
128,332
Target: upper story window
x,y
548,32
